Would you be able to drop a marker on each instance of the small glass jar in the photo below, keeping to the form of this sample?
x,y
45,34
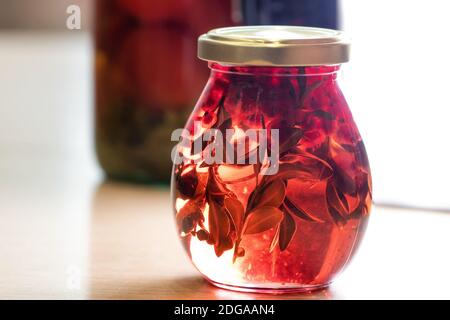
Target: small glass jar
x,y
289,231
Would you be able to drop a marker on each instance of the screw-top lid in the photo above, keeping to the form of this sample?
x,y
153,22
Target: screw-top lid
x,y
274,46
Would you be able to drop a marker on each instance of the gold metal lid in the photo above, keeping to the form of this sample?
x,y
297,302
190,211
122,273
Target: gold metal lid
x,y
274,46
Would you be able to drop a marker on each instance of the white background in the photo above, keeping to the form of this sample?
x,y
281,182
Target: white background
x,y
398,85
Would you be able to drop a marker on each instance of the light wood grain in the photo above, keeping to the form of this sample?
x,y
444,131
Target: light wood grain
x,y
121,238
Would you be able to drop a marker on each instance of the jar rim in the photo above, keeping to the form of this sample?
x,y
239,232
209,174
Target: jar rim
x,y
274,46
275,71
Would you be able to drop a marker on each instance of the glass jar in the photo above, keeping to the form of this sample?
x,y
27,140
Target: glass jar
x,y
295,228
147,79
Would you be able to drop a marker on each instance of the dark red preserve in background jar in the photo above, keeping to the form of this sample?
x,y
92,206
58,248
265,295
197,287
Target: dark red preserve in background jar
x,y
147,79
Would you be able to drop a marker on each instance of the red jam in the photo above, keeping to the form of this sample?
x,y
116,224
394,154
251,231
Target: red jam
x,y
292,231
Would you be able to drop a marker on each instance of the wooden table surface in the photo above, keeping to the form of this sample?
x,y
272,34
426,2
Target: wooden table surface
x,y
106,240
67,234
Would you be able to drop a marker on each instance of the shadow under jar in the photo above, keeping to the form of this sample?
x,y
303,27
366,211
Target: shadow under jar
x,y
294,230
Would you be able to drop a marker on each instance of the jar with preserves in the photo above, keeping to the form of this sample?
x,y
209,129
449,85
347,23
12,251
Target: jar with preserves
x,y
147,79
287,210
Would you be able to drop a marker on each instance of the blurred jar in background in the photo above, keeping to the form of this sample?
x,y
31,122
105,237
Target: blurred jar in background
x,y
309,13
147,79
